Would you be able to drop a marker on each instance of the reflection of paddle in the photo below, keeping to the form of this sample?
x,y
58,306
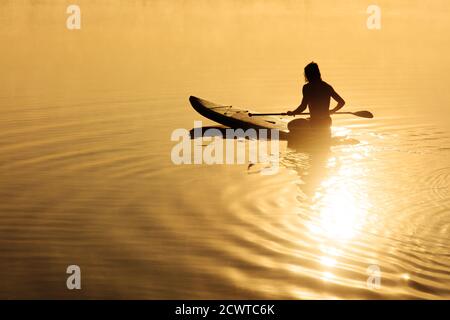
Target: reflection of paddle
x,y
362,114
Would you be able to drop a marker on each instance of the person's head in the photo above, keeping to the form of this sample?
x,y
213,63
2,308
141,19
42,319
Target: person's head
x,y
312,72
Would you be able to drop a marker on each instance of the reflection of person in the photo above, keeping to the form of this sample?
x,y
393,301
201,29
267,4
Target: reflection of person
x,y
311,167
316,96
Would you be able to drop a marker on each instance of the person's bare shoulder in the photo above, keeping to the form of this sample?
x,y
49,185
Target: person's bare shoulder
x,y
306,87
328,86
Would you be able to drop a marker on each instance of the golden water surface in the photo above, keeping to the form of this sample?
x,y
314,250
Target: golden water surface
x,y
86,176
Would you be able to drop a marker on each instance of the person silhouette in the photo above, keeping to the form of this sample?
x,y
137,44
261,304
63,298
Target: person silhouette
x,y
316,96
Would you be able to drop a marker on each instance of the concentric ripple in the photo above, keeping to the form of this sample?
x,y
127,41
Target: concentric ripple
x,y
317,228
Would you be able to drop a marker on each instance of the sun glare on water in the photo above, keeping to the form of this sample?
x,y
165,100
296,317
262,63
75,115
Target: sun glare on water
x,y
340,207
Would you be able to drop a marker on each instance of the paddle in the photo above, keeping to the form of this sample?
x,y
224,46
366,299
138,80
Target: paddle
x,y
362,114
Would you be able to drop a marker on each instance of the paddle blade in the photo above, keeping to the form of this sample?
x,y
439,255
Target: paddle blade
x,y
363,114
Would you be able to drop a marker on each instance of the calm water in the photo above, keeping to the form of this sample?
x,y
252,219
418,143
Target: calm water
x,y
86,176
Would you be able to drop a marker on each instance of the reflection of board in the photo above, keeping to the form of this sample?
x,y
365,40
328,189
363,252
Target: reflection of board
x,y
236,117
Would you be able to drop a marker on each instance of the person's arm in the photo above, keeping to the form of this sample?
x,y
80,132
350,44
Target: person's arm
x,y
338,98
302,107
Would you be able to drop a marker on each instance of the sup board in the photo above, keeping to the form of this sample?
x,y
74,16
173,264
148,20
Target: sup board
x,y
235,117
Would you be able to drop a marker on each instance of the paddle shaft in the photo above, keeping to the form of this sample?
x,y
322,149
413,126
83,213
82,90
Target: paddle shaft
x,y
285,114
363,114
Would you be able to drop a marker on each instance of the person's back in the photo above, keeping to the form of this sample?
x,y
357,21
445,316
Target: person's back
x,y
316,96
